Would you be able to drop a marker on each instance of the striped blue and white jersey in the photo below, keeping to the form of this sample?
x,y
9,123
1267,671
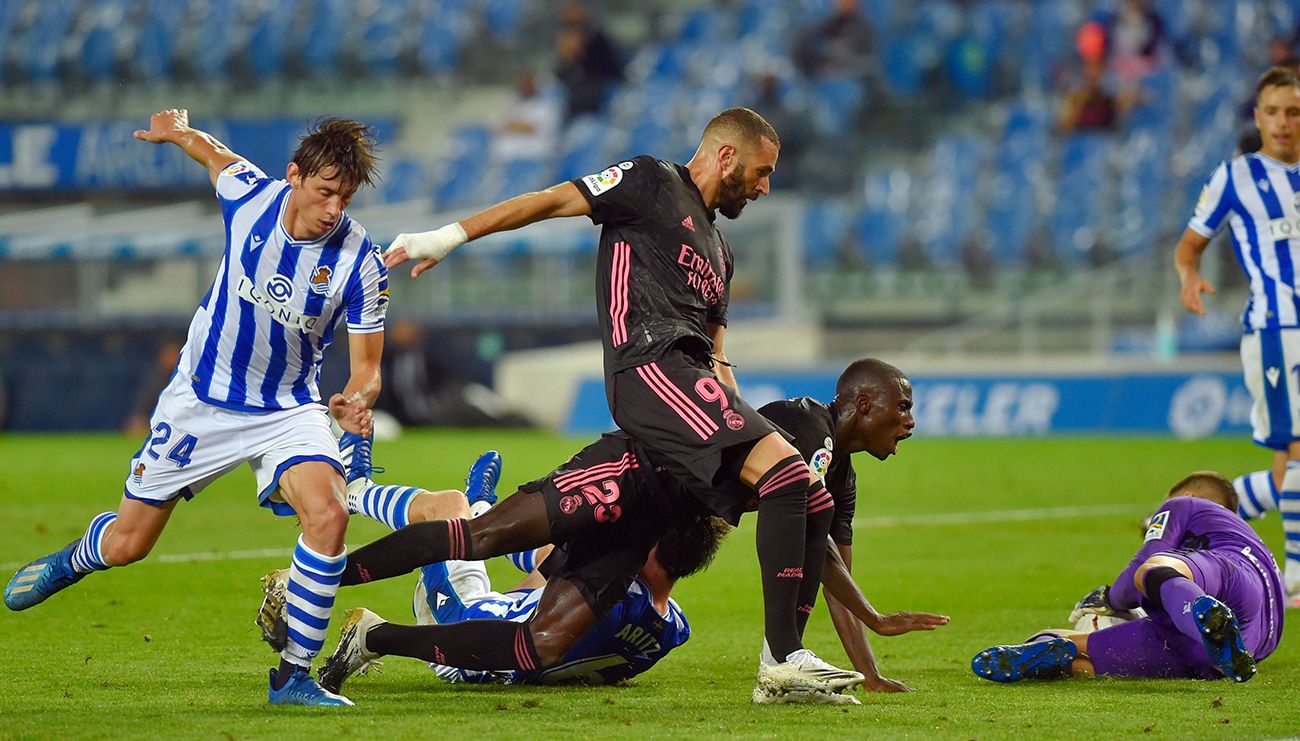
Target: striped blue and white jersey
x,y
1259,198
257,339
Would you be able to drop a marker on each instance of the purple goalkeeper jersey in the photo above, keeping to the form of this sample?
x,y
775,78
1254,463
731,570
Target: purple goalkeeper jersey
x,y
1250,582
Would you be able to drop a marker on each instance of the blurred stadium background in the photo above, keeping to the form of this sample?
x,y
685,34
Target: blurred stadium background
x,y
934,204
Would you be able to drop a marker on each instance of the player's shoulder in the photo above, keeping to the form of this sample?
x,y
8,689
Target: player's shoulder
x,y
799,409
241,177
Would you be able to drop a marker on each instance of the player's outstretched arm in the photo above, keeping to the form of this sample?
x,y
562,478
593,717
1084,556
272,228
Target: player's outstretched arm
x,y
1187,260
173,125
431,247
850,610
352,407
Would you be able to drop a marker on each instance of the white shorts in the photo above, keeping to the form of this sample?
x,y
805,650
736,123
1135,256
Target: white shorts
x,y
1267,359
191,444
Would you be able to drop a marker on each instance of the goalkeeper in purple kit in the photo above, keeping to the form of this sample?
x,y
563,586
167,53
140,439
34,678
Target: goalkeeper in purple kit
x,y
1210,588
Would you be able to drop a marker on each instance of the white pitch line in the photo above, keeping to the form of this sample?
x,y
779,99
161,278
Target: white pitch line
x,y
941,518
1001,515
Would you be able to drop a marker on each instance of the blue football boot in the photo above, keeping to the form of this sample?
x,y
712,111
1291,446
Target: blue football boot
x,y
1046,659
481,483
301,689
354,450
1221,634
42,578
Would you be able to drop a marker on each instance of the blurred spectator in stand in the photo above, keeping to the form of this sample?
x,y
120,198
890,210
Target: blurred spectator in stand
x,y
589,62
1132,40
531,124
151,384
411,375
793,125
1089,106
422,392
839,45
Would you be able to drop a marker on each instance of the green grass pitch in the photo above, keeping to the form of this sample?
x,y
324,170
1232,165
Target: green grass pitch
x,y
1002,535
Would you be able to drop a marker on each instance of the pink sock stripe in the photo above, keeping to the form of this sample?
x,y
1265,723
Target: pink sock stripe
x,y
600,471
692,415
818,504
618,299
795,471
521,650
456,539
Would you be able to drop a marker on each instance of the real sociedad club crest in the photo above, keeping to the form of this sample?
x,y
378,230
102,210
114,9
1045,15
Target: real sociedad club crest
x,y
320,280
1295,201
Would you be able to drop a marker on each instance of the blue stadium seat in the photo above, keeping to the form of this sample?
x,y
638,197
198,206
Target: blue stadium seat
x,y
825,225
99,53
504,17
43,41
705,26
901,65
459,182
210,57
882,223
523,175
438,49
471,139
584,147
1011,214
324,46
404,180
269,39
9,13
379,32
1079,218
834,104
153,51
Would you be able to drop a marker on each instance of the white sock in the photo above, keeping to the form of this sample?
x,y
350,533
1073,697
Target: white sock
x,y
1256,494
1289,505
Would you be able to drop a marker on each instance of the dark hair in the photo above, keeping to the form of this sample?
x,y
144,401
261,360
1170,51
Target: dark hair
x,y
347,145
1208,482
1276,76
744,124
691,546
866,372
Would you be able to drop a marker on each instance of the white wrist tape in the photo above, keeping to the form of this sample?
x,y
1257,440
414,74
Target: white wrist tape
x,y
436,244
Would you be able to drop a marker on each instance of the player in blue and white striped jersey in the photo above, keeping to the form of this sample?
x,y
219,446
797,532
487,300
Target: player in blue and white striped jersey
x,y
1257,196
245,390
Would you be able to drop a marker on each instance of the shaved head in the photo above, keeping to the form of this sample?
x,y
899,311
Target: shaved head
x,y
867,373
737,127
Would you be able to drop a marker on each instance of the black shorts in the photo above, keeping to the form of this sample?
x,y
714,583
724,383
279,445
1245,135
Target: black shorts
x,y
692,424
606,507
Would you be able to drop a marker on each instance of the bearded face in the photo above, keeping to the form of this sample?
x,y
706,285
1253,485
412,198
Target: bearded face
x,y
734,195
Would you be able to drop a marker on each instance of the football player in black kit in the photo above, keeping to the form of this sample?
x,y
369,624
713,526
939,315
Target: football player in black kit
x,y
600,551
663,284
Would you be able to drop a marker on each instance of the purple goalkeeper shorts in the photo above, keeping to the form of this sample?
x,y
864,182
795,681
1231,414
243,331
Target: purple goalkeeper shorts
x,y
1153,647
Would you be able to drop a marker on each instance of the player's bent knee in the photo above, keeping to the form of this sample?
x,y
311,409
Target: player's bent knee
x,y
449,504
327,517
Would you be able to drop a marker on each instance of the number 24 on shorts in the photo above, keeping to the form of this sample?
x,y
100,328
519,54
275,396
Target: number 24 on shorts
x,y
179,453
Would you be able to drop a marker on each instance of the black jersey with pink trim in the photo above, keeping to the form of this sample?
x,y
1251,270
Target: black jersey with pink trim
x,y
813,427
663,272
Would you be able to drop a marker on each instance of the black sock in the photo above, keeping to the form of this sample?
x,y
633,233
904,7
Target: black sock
x,y
818,527
403,551
286,668
782,504
488,645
